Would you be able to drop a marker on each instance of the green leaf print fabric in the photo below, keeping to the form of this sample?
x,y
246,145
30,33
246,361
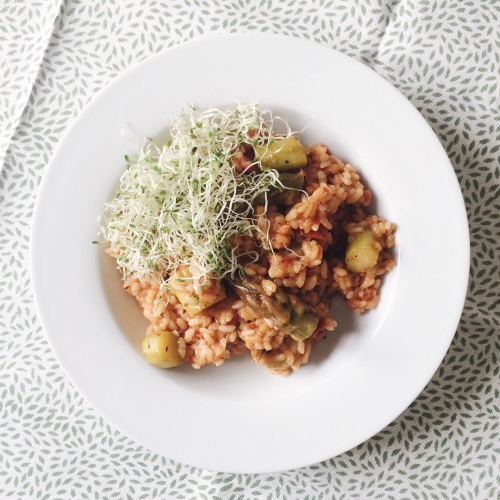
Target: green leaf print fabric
x,y
443,55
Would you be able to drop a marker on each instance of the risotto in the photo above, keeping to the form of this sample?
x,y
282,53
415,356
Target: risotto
x,y
255,273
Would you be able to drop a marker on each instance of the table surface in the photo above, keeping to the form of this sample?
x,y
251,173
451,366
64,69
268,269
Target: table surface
x,y
444,55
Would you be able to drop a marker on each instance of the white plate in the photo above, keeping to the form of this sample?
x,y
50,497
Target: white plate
x,y
238,417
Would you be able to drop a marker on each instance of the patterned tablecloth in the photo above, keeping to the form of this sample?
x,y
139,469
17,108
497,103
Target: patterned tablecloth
x,y
444,55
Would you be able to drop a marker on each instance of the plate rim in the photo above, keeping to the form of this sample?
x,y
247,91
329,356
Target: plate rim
x,y
88,109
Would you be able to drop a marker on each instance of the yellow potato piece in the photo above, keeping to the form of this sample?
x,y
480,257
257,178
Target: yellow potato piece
x,y
282,154
362,252
192,302
195,305
161,349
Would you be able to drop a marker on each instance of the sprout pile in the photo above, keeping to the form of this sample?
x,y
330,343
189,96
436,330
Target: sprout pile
x,y
185,202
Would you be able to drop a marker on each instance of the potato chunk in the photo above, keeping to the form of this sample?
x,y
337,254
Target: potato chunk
x,y
362,252
161,349
194,295
282,154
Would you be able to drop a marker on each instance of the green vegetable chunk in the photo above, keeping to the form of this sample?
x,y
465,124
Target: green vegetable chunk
x,y
362,252
161,349
290,314
287,195
282,154
304,325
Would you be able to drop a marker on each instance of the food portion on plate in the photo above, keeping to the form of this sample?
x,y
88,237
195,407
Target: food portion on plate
x,y
234,237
